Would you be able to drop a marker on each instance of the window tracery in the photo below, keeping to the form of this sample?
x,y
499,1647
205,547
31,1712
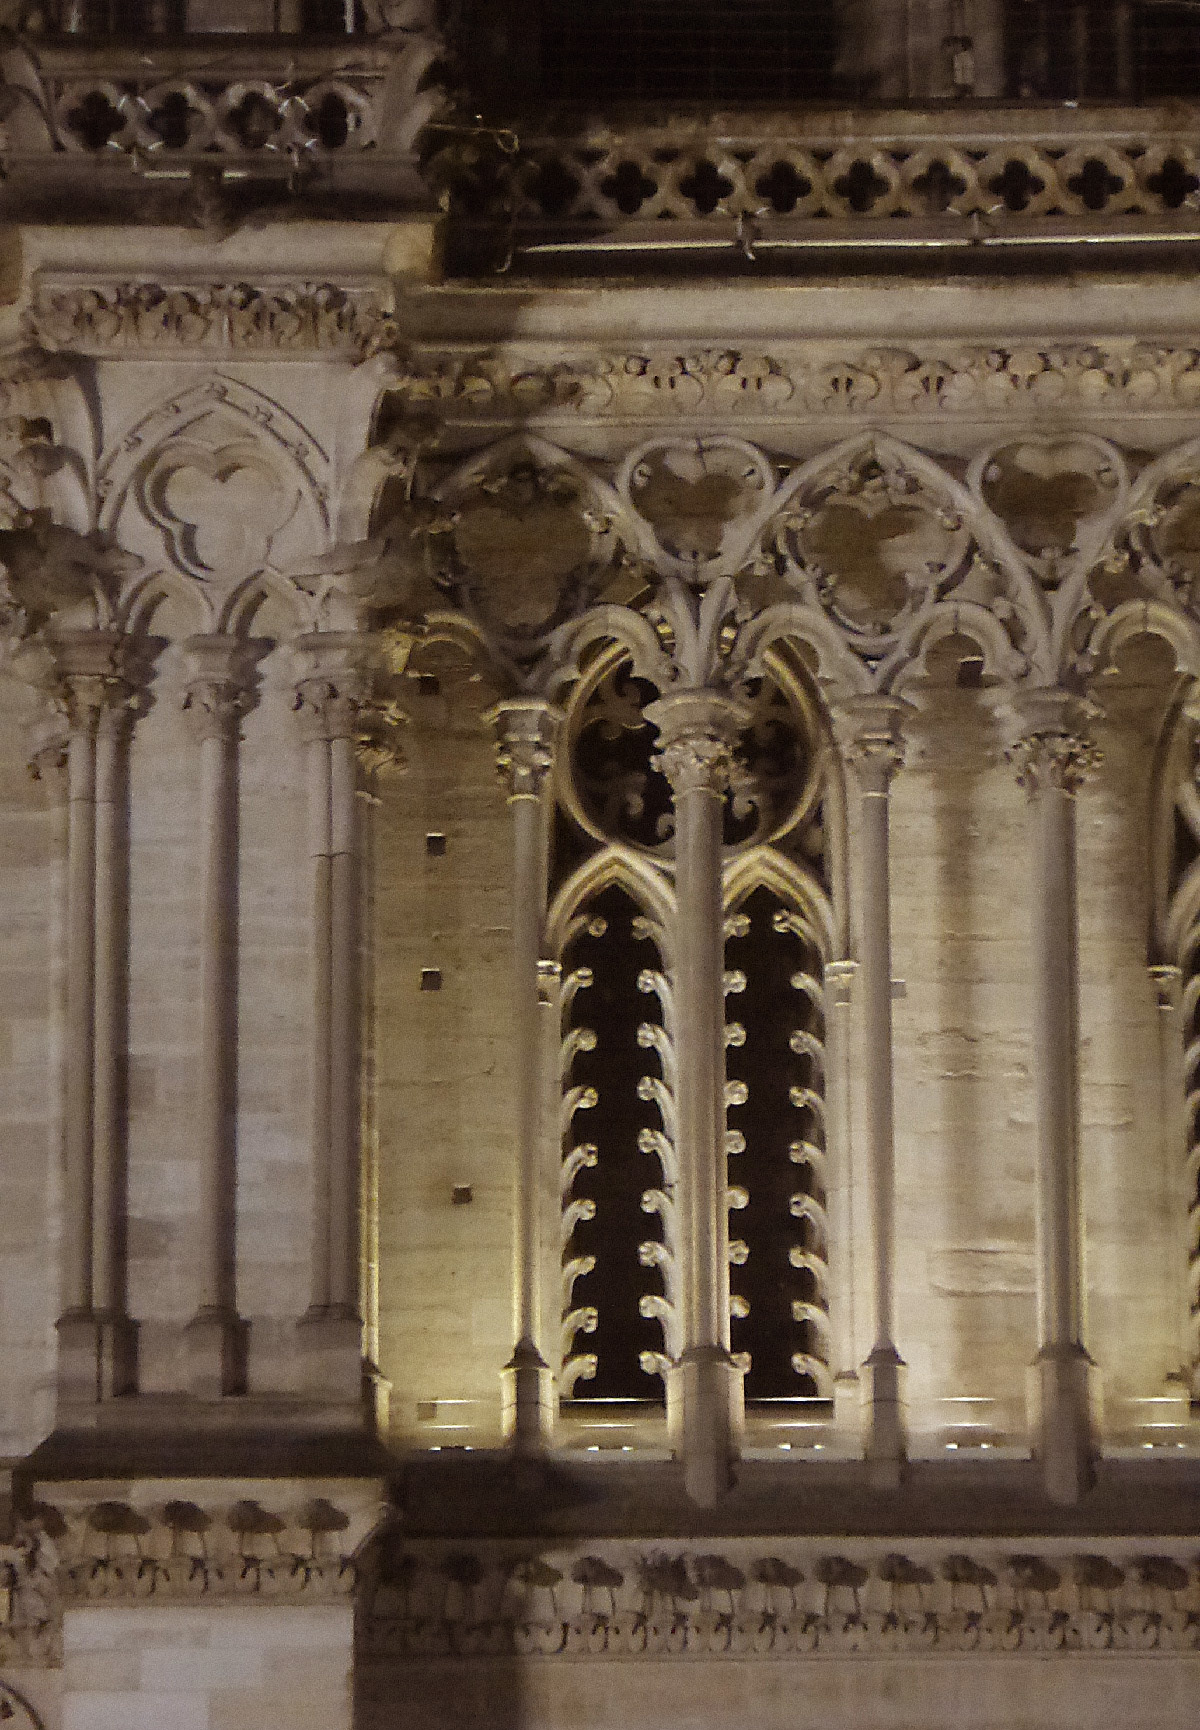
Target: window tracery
x,y
620,1233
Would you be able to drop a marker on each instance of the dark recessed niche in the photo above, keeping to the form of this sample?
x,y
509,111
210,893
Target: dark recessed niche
x,y
428,684
462,1194
435,845
431,979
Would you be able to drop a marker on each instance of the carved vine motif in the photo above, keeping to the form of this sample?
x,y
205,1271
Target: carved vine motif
x,y
632,1602
735,384
116,317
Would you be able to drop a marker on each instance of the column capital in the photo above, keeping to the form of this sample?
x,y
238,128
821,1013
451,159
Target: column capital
x,y
221,683
869,729
337,695
96,675
698,733
337,681
1050,743
526,731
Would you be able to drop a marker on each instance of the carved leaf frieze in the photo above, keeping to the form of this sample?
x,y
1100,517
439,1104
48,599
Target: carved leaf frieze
x,y
779,1599
115,317
741,385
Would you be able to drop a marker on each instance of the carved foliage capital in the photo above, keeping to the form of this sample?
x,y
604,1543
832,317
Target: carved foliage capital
x,y
221,688
699,732
869,731
526,733
1062,761
98,679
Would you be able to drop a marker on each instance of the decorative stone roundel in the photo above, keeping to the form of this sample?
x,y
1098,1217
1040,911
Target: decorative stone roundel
x,y
519,540
695,495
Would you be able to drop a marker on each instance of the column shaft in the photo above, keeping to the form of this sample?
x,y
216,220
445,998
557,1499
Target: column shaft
x,y
1052,757
320,851
80,1030
335,705
218,1053
345,1112
217,698
110,1173
699,731
526,733
870,728
1055,1067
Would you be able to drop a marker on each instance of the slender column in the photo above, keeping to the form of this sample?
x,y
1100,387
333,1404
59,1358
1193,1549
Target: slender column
x,y
870,732
110,1174
330,701
698,732
1173,1116
1052,755
847,1395
526,732
94,695
218,695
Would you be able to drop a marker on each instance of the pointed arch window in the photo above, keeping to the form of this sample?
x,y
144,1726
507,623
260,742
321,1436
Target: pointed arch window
x,y
612,925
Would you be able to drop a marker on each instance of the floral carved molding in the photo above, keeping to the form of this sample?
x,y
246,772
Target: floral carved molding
x,y
748,384
120,316
169,1548
782,1599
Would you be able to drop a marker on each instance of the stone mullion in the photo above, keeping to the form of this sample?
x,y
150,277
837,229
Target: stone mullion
x,y
1052,755
698,732
526,732
218,695
870,730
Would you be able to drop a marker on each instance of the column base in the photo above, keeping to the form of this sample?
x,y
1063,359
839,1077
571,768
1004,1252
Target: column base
x,y
884,1442
216,1343
1063,1393
97,1358
529,1401
712,1395
331,1360
848,1407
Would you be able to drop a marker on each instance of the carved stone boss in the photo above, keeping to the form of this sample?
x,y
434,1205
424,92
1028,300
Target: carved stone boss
x,y
1052,755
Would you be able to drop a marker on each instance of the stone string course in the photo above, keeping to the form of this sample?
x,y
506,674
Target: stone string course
x,y
780,1600
746,384
114,317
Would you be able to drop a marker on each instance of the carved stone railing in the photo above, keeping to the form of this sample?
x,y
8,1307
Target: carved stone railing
x,y
973,177
235,108
781,1599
